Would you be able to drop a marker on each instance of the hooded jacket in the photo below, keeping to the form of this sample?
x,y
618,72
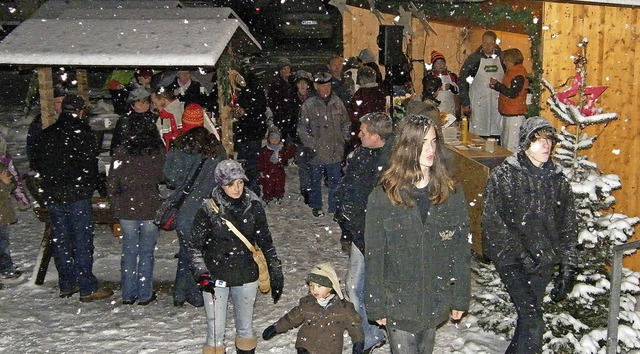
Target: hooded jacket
x,y
528,212
322,329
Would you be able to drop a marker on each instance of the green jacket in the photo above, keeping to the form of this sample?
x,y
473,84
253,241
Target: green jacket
x,y
7,211
416,271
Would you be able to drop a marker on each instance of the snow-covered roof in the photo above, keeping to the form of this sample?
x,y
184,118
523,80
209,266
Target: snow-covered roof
x,y
124,42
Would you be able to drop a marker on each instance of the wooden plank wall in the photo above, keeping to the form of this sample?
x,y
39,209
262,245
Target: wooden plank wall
x,y
361,31
613,55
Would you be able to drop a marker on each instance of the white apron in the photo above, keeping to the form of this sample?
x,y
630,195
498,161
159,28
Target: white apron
x,y
446,98
485,119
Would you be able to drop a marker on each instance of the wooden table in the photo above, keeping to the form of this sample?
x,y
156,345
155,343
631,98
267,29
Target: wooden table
x,y
471,166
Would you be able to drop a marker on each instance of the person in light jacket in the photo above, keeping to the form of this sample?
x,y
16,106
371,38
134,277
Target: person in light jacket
x,y
417,238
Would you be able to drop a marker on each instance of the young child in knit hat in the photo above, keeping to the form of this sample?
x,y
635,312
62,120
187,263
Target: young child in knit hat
x,y
271,162
323,315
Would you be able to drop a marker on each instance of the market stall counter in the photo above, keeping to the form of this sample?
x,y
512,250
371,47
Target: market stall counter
x,y
472,162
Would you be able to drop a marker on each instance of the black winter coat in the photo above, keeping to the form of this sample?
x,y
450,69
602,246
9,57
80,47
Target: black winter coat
x,y
363,169
121,130
65,154
417,270
213,248
252,126
529,212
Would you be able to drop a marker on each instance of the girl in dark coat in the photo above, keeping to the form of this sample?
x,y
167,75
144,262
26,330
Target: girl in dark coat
x,y
186,153
132,185
416,241
528,227
222,263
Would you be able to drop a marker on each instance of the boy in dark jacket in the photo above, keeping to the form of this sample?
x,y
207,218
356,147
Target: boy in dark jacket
x,y
529,226
323,315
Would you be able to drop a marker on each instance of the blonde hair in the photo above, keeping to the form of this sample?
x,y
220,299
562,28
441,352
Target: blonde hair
x,y
404,166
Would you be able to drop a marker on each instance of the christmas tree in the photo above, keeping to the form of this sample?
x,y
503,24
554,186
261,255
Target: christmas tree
x,y
579,323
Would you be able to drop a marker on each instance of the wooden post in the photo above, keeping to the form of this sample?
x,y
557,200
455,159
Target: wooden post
x,y
83,85
226,124
45,87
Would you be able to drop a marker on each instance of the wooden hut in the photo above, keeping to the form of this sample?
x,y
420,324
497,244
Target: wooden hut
x,y
151,36
612,29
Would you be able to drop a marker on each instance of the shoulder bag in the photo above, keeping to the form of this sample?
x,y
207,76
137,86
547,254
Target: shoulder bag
x,y
166,213
264,280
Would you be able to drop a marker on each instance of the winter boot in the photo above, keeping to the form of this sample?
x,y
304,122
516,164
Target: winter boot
x,y
246,345
207,349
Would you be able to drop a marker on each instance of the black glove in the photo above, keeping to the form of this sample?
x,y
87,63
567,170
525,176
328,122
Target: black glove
x,y
205,283
269,332
277,281
358,348
563,283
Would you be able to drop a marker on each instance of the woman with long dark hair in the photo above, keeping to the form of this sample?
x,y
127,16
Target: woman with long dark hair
x,y
416,240
187,152
132,185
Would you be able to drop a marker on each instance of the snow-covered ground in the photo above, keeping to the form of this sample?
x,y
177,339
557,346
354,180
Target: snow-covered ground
x,y
33,319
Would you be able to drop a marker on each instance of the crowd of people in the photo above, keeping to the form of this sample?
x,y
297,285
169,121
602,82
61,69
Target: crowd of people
x,y
402,213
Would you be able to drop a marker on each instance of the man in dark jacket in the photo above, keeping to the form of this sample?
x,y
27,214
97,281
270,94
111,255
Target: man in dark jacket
x,y
250,127
363,169
280,92
65,154
529,226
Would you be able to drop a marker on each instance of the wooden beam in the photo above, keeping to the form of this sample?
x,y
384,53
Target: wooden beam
x,y
45,87
83,85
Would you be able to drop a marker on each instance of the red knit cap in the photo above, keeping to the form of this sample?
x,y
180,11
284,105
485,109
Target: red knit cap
x,y
192,117
435,55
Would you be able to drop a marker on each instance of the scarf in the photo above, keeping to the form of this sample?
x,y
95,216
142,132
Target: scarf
x,y
324,302
276,149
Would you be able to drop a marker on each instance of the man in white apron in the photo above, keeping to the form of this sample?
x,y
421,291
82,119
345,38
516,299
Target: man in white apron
x,y
477,99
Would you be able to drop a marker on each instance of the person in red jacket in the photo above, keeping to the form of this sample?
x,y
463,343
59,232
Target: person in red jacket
x,y
512,103
271,161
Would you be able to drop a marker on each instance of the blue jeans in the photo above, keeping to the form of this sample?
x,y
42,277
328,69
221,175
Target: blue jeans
x,y
248,151
355,291
73,245
334,173
6,264
185,287
244,298
402,342
139,239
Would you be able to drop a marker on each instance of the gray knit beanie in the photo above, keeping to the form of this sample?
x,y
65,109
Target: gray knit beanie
x,y
530,127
